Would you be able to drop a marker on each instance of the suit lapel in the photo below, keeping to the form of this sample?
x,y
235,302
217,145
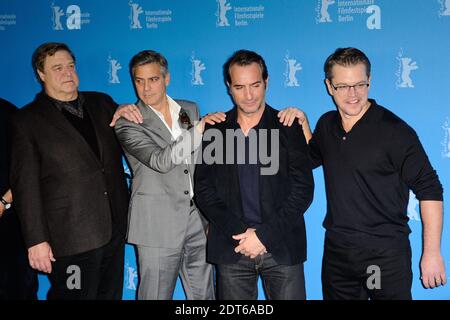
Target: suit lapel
x,y
153,122
181,124
232,175
190,114
55,118
266,182
96,124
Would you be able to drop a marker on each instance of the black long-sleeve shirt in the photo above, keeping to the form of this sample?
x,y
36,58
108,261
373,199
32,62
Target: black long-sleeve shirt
x,y
368,173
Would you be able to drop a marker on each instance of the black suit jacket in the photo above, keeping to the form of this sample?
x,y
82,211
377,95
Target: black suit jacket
x,y
284,196
63,193
18,281
11,243
6,111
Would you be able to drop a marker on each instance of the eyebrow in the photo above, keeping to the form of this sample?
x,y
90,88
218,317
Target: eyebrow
x,y
346,84
142,78
60,64
242,85
56,66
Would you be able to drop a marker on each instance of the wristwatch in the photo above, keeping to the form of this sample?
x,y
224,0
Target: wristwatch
x,y
6,203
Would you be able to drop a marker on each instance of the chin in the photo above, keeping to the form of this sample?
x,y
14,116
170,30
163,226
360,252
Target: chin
x,y
353,113
148,102
69,87
354,108
71,92
251,109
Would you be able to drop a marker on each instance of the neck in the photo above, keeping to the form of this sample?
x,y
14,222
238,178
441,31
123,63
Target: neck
x,y
163,106
249,120
63,97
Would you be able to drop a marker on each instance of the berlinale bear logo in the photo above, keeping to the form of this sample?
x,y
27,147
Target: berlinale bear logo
x,y
197,67
292,67
222,9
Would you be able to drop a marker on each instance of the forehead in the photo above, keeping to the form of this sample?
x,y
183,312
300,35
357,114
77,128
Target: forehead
x,y
350,73
245,74
148,70
59,57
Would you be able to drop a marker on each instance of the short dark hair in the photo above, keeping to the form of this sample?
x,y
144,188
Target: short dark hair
x,y
147,57
244,58
346,57
45,50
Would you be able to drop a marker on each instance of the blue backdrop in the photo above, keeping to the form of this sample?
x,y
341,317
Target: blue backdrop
x,y
408,42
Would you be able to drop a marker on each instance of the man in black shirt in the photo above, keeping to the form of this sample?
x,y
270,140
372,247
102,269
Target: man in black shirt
x,y
371,158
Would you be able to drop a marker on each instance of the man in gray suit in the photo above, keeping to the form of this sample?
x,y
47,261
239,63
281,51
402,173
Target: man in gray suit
x,y
165,225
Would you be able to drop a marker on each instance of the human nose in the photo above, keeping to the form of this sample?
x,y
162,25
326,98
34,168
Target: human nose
x,y
147,86
351,90
68,71
248,93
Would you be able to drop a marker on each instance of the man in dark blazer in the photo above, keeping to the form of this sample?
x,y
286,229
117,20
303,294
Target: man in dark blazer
x,y
17,280
255,207
68,182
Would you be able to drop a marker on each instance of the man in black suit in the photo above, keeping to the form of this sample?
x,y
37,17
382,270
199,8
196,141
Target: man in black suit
x,y
68,182
17,280
255,202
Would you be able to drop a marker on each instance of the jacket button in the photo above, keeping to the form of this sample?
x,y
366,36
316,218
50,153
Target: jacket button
x,y
105,193
186,192
186,171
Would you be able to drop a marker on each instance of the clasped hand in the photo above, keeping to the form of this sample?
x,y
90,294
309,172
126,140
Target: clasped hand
x,y
249,244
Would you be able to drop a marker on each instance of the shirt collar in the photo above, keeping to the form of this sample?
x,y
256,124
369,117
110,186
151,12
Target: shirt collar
x,y
74,107
261,124
372,114
174,109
